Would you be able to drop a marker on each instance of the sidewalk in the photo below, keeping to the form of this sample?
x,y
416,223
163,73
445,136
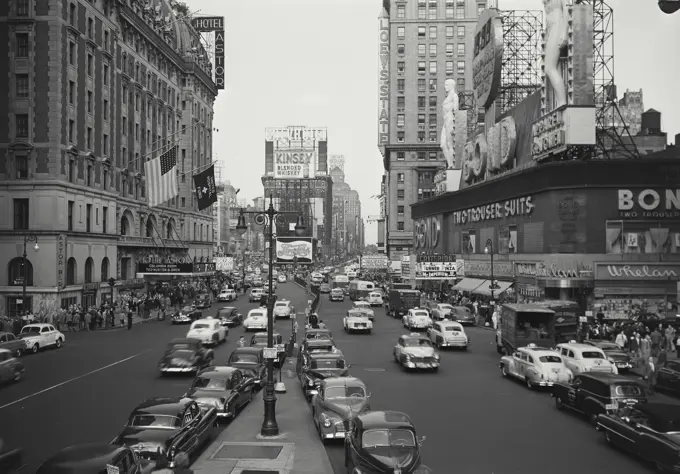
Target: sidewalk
x,y
297,450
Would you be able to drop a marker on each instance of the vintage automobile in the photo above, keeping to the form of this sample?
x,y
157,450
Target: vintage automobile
x,y
668,377
440,311
593,393
283,309
203,301
536,366
209,331
40,336
281,278
318,345
11,368
581,358
312,368
416,318
227,389
185,356
259,340
336,294
227,295
461,314
339,399
229,316
415,351
324,288
162,427
98,458
255,294
13,344
366,307
256,320
357,321
383,442
445,334
186,315
251,362
319,334
374,299
649,431
619,357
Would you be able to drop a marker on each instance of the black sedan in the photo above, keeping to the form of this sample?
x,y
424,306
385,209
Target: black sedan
x,y
383,442
668,377
315,367
186,315
229,316
184,356
227,389
462,315
160,428
614,353
251,361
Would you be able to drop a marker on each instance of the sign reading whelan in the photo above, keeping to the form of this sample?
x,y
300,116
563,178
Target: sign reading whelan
x,y
637,271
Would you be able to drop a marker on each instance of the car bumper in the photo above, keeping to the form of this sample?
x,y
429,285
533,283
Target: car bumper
x,y
250,328
178,370
454,344
421,365
359,328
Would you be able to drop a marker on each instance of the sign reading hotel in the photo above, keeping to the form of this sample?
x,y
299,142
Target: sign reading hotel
x,y
294,164
523,206
384,82
214,24
649,203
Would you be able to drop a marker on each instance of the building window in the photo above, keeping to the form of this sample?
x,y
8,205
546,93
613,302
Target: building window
x,y
449,49
21,125
71,130
90,64
433,85
22,45
401,49
401,32
421,85
71,271
105,269
449,31
72,53
433,101
460,65
71,92
90,105
401,177
89,138
20,214
449,68
72,14
105,145
89,270
421,120
89,176
432,120
70,214
433,32
401,85
421,155
461,31
401,66
183,202
421,68
401,102
88,218
401,136
449,11
105,180
400,225
460,13
401,119
71,171
461,83
21,166
461,49
123,129
432,13
90,28
433,50
400,211
22,7
421,101
433,136
106,109
401,11
421,31
105,69
22,86
422,12
433,155
480,8
400,194
17,272
421,136
433,67
422,47
105,213
401,156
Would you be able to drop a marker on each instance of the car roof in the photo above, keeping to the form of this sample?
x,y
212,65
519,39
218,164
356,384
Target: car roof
x,y
36,325
163,405
319,342
317,331
2,351
247,350
209,319
257,311
2,333
384,419
449,323
343,382
226,308
539,351
607,377
218,372
264,334
327,355
356,313
87,456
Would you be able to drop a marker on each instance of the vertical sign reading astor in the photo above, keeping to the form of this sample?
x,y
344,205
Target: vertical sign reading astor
x,y
61,261
384,82
208,24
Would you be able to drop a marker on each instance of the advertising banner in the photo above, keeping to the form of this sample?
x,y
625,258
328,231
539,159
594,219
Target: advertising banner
x,y
406,267
287,249
292,164
374,262
168,268
436,267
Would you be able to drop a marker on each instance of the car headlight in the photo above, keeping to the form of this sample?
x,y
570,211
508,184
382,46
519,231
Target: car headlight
x,y
436,356
310,383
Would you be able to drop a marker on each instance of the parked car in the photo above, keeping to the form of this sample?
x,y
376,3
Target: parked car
x,y
203,301
227,295
581,358
251,361
209,331
319,334
260,340
383,442
40,336
619,357
255,295
161,427
11,368
256,320
97,458
9,341
414,351
227,389
445,334
229,316
668,377
440,310
339,400
186,315
185,356
536,366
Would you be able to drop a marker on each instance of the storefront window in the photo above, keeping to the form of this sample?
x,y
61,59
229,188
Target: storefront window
x,y
643,237
16,305
636,307
67,302
507,239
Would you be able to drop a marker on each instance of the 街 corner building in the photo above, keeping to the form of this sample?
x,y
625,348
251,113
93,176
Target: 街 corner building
x,y
552,200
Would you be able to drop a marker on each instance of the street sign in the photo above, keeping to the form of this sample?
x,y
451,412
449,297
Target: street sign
x,y
270,353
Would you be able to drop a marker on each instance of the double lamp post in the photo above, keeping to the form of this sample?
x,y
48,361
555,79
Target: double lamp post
x,y
269,218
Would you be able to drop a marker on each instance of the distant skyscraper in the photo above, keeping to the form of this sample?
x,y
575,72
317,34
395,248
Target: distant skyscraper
x,y
346,233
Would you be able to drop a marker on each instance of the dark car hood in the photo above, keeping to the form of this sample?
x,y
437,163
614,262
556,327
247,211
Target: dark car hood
x,y
325,373
154,436
346,408
393,457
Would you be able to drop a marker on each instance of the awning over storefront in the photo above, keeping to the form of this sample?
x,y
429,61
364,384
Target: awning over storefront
x,y
468,284
485,288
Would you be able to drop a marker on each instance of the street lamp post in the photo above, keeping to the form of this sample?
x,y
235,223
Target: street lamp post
x,y
27,238
269,218
489,249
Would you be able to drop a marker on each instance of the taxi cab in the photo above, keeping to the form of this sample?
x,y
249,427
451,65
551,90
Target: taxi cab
x,y
536,366
581,358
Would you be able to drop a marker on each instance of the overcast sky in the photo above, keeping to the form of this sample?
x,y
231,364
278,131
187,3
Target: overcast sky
x,y
315,63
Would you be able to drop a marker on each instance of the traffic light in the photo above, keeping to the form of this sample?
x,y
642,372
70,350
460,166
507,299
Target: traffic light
x,y
669,6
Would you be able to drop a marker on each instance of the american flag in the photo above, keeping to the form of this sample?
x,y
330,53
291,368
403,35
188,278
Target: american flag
x,y
161,178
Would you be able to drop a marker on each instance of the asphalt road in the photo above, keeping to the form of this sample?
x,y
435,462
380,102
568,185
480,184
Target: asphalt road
x,y
475,421
85,391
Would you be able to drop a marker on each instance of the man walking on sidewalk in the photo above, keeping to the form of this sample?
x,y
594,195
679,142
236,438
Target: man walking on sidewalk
x,y
129,318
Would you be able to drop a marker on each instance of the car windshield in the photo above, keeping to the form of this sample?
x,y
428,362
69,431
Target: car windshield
x,y
155,421
337,290
462,310
417,343
30,329
319,335
380,438
592,355
256,315
550,359
201,326
627,390
281,304
374,295
180,347
420,314
328,364
225,312
452,328
361,304
344,392
249,358
207,383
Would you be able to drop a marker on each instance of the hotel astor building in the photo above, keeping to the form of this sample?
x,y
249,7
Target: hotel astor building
x,y
93,89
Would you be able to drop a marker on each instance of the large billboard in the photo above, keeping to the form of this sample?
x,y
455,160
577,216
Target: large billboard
x,y
214,24
296,152
291,250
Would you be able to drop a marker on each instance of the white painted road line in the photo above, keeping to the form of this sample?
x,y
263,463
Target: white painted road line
x,y
71,380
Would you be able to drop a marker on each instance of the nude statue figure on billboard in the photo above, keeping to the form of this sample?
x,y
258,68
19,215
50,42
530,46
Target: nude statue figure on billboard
x,y
449,108
557,29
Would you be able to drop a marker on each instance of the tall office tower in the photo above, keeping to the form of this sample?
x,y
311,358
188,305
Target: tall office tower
x,y
347,221
422,44
631,106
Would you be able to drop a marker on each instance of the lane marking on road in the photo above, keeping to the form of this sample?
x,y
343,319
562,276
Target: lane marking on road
x,y
374,369
48,389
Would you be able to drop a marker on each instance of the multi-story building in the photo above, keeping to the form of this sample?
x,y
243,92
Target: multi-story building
x,y
631,106
347,223
423,43
226,215
92,90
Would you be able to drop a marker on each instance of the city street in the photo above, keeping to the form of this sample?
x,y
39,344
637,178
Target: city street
x,y
474,420
85,391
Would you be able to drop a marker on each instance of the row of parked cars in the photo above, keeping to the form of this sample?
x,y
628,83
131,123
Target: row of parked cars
x,y
584,379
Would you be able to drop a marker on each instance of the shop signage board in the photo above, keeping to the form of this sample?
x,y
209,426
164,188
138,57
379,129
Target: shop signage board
x,y
541,270
61,261
204,267
523,206
406,267
427,232
384,82
561,128
637,271
436,267
649,203
488,57
482,269
168,268
374,262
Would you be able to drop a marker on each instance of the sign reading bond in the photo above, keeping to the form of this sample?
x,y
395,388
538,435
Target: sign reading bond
x,y
488,57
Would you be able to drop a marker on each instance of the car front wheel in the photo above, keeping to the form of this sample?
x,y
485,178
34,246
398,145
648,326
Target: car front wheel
x,y
35,348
